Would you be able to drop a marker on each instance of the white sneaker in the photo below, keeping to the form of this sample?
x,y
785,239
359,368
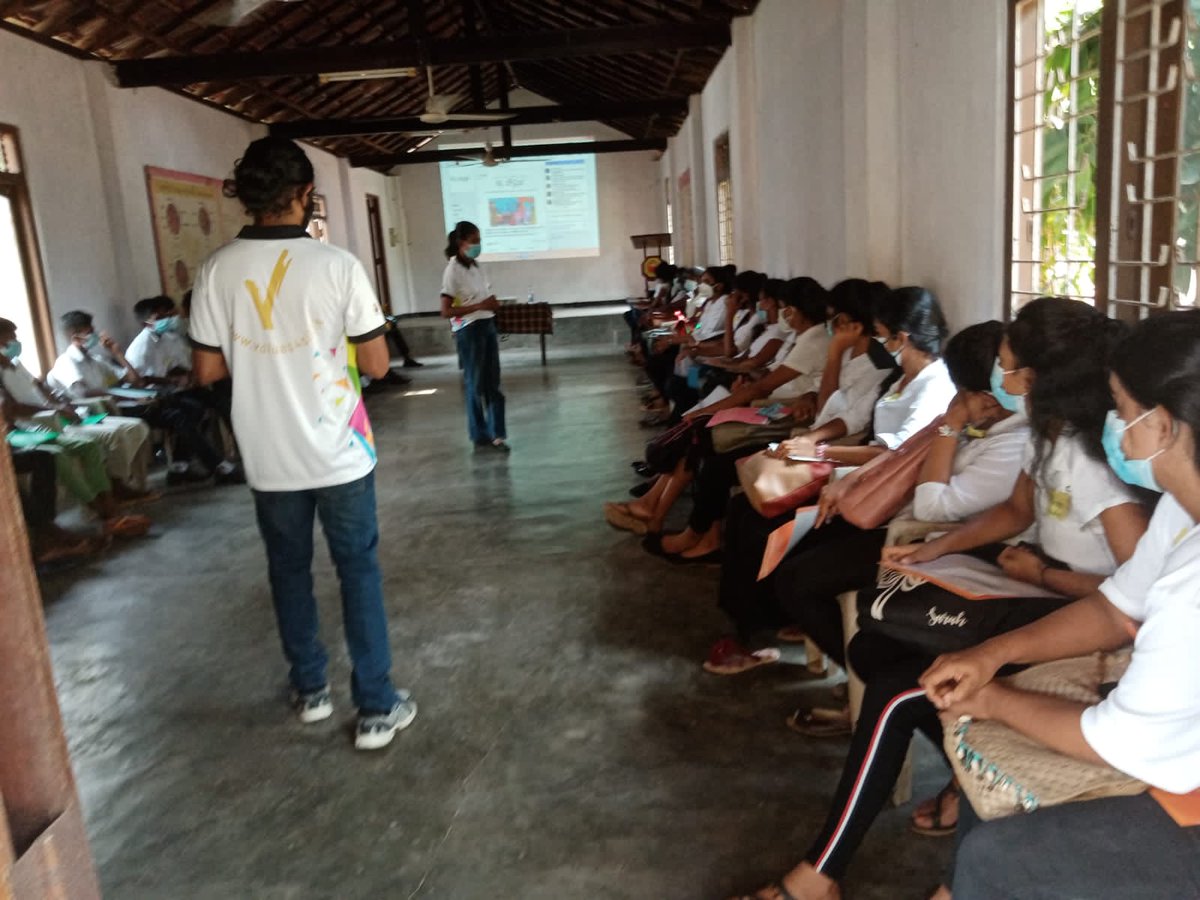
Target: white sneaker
x,y
315,706
377,731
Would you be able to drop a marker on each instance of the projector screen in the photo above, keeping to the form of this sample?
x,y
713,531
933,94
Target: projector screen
x,y
539,207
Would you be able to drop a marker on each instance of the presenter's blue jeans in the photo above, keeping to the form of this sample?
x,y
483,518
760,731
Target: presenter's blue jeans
x,y
347,514
479,352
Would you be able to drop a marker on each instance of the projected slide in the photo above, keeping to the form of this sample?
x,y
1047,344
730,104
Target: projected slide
x,y
543,207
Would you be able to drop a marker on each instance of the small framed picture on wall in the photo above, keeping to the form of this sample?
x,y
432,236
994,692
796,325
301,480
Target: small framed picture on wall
x,y
318,225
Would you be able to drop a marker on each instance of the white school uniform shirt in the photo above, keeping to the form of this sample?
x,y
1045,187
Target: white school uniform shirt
x,y
155,355
712,319
1149,726
806,356
19,383
744,324
858,389
982,475
899,414
287,311
79,373
467,285
1072,489
776,332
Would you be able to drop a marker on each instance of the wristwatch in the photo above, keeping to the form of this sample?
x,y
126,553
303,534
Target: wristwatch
x,y
945,430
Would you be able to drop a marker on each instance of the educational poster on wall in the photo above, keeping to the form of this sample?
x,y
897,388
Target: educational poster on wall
x,y
191,217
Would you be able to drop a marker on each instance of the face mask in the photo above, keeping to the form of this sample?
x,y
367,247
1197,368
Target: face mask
x,y
704,291
762,316
1138,472
170,323
12,349
473,250
91,341
1014,403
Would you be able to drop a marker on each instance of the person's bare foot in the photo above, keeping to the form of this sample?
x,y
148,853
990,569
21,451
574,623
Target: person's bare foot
x,y
709,543
937,816
640,510
676,544
802,883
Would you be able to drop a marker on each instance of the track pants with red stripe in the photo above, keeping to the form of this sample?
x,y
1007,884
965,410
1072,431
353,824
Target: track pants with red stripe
x,y
894,707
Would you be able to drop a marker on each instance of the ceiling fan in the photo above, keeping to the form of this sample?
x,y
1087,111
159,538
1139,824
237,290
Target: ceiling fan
x,y
487,157
438,108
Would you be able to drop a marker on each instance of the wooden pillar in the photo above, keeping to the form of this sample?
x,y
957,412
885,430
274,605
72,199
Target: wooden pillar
x,y
43,846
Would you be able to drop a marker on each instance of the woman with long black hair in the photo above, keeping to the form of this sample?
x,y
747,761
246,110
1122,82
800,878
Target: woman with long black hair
x,y
470,305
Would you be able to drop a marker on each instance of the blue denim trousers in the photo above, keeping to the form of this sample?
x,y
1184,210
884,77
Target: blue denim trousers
x,y
347,514
479,351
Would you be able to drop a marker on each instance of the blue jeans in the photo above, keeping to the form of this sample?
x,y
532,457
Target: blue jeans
x,y
347,514
479,352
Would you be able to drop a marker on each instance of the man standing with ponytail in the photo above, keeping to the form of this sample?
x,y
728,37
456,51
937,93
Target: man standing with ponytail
x,y
294,321
470,305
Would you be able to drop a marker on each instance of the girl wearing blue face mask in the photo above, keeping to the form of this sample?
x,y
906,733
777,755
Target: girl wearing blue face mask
x,y
470,305
1148,727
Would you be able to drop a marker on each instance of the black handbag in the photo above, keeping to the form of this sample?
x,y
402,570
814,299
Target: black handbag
x,y
665,451
935,620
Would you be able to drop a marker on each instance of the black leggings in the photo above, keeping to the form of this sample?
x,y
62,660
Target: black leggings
x,y
831,560
894,707
716,477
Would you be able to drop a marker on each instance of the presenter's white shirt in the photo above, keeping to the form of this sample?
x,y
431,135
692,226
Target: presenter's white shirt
x,y
1149,726
1072,490
81,373
287,312
466,285
156,355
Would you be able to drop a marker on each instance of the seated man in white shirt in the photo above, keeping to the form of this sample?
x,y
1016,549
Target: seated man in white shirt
x,y
93,364
160,353
126,440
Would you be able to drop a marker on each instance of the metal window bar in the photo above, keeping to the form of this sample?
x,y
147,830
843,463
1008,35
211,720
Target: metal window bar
x,y
1150,156
1033,270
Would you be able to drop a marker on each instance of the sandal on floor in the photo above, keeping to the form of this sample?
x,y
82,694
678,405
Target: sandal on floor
x,y
712,558
652,544
618,516
820,722
728,657
127,526
940,827
792,634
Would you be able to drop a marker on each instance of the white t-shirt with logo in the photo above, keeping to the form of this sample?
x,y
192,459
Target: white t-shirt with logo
x,y
287,311
467,285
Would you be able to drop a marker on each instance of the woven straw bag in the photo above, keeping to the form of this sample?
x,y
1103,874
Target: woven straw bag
x,y
1003,773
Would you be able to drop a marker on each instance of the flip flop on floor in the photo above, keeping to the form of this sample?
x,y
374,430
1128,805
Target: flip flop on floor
x,y
820,722
127,526
935,809
728,657
618,516
791,634
712,558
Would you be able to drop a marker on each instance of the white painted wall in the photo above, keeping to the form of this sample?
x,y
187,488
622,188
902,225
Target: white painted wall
x,y
630,197
86,145
867,139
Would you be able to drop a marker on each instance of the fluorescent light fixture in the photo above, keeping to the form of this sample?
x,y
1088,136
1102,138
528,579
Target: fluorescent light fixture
x,y
367,74
420,145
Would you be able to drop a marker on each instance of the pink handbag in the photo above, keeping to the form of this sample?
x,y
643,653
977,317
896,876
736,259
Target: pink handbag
x,y
777,486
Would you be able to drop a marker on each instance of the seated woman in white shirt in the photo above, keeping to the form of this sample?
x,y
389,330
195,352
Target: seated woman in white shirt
x,y
1054,356
911,332
803,312
1148,727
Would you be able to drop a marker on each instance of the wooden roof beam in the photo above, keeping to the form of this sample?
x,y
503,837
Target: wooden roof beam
x,y
527,115
408,159
443,51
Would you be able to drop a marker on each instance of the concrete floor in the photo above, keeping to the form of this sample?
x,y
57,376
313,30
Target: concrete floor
x,y
568,746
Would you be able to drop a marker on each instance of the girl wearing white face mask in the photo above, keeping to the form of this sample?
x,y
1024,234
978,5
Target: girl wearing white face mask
x,y
1148,727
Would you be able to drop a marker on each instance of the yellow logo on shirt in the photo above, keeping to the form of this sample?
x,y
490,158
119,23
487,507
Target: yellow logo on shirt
x,y
266,306
1058,505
